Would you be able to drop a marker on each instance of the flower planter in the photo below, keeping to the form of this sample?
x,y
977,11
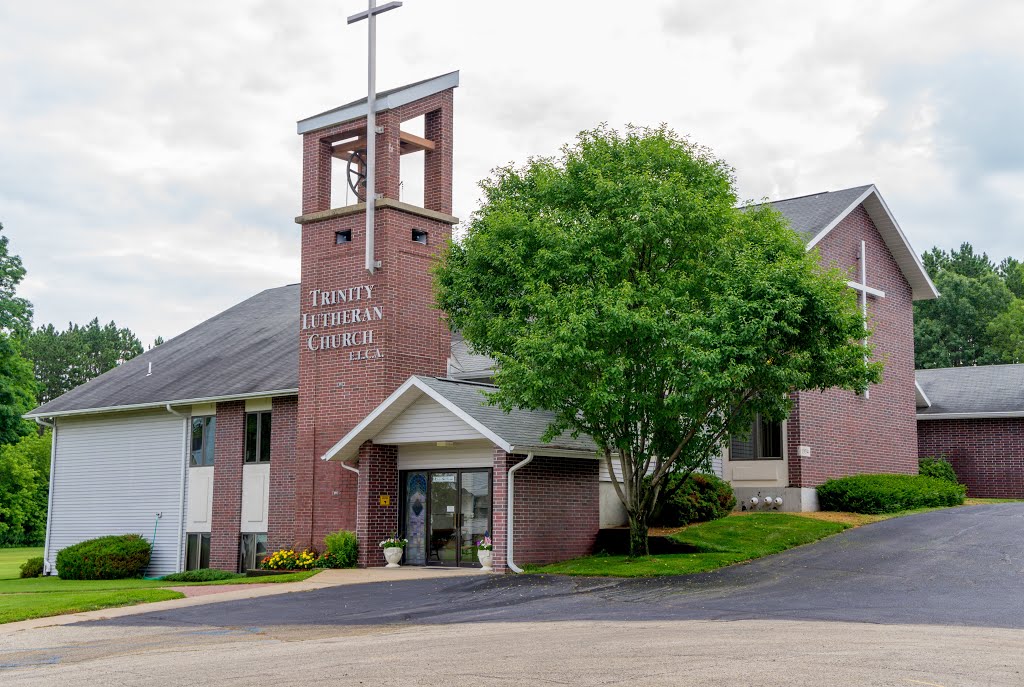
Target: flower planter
x,y
393,555
485,558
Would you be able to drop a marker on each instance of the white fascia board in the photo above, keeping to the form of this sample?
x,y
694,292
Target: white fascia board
x,y
921,395
542,451
372,424
931,291
163,404
971,416
402,96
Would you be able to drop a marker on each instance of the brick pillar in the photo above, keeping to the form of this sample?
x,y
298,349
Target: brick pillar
x,y
316,174
437,163
792,442
281,518
227,485
499,506
378,475
388,154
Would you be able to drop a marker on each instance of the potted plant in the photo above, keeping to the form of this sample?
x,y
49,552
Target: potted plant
x,y
485,553
394,547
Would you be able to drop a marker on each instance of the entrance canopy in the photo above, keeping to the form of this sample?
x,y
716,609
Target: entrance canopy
x,y
429,409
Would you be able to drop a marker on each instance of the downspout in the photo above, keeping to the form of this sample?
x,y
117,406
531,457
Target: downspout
x,y
47,567
510,511
349,467
181,490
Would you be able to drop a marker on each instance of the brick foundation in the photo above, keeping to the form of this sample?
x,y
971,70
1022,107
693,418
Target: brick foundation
x,y
987,453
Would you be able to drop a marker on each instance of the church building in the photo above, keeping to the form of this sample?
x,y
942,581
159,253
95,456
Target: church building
x,y
343,401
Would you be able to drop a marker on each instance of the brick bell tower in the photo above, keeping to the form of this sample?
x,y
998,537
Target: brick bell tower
x,y
361,335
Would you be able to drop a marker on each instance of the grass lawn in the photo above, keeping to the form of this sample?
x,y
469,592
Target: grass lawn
x,y
737,538
11,560
44,596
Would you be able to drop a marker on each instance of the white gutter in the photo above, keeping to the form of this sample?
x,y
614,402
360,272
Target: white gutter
x,y
162,404
510,510
181,490
49,497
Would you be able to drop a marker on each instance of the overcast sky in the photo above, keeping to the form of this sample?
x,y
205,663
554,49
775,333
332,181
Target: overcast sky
x,y
150,169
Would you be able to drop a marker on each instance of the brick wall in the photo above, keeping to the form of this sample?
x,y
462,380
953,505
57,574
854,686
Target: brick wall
x,y
848,433
987,453
378,476
227,485
557,509
335,392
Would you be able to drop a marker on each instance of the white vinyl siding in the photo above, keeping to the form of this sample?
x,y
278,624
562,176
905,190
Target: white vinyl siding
x,y
474,454
255,497
426,420
112,474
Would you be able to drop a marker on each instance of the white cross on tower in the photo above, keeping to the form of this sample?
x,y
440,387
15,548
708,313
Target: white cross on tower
x,y
865,291
371,119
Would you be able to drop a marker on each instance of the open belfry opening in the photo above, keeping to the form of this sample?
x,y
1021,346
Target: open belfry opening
x,y
363,334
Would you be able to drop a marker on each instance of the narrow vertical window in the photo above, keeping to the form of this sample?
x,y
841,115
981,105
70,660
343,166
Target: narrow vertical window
x,y
203,441
257,437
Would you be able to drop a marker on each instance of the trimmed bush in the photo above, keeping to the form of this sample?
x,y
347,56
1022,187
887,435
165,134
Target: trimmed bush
x,y
106,558
33,567
700,498
201,575
888,493
342,550
938,468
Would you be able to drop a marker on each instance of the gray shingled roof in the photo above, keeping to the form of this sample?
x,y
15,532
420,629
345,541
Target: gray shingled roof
x,y
247,349
990,389
520,428
808,215
252,347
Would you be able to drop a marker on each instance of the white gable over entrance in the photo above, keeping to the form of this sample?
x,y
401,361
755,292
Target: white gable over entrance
x,y
426,420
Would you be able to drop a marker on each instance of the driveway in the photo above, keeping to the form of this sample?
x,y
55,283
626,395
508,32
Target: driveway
x,y
935,598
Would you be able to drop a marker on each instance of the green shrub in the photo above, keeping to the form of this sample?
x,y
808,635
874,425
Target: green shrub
x,y
33,567
888,493
700,498
938,468
201,575
342,550
106,558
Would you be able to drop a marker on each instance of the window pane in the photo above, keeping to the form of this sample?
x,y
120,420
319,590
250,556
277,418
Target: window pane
x,y
190,552
204,550
211,437
260,549
742,448
197,442
771,439
264,437
251,423
243,557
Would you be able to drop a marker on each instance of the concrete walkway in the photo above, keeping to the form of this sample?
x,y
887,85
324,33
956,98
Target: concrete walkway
x,y
211,594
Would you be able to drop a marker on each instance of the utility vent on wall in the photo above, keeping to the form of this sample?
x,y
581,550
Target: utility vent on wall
x,y
419,236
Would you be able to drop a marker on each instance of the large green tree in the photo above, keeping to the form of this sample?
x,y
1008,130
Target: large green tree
x,y
15,311
620,287
24,489
955,329
65,359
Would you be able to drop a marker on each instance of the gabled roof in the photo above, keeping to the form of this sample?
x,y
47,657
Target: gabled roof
x,y
814,216
248,350
989,391
386,100
519,431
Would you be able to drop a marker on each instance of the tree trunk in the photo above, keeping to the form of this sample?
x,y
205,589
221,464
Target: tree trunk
x,y
638,536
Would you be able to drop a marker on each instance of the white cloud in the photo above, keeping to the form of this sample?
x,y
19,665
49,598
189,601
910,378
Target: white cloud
x,y
149,166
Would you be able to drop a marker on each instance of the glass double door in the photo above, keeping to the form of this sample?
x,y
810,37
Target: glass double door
x,y
445,514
